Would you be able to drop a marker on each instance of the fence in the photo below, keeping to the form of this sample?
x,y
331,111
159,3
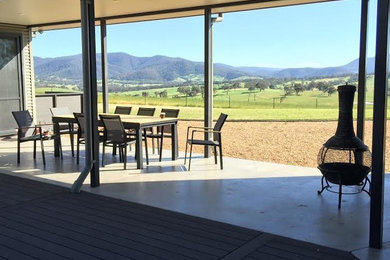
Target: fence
x,y
74,101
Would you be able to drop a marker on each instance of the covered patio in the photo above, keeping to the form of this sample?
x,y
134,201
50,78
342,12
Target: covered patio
x,y
263,196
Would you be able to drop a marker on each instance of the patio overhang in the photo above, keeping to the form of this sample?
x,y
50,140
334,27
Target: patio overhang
x,y
60,14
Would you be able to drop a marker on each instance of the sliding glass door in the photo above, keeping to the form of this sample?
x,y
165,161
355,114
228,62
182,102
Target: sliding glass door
x,y
10,80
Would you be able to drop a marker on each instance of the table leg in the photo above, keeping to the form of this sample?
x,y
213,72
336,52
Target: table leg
x,y
174,142
56,131
138,148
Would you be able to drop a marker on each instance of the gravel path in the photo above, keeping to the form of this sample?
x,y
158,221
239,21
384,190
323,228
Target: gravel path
x,y
294,143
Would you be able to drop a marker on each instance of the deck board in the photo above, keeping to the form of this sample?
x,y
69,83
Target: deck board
x,y
44,221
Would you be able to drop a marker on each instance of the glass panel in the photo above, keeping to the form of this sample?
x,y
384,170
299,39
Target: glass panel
x,y
9,68
10,81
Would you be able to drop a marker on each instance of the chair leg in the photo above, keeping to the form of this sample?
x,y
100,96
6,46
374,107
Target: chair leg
x,y
146,148
161,146
114,150
18,156
220,155
125,156
35,150
60,146
43,153
120,153
78,151
71,136
103,150
215,154
152,142
185,154
189,163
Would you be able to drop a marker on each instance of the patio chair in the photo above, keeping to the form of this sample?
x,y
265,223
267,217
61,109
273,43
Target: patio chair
x,y
28,131
115,136
65,128
216,142
80,120
163,132
146,111
122,110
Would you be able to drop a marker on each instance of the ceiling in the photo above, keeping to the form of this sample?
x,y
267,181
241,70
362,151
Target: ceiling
x,y
56,14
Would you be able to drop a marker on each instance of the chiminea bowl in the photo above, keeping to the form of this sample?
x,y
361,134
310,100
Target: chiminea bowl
x,y
344,166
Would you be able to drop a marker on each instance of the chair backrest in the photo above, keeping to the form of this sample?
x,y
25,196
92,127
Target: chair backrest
x,y
57,111
24,119
173,113
170,112
123,110
80,123
113,128
218,126
146,111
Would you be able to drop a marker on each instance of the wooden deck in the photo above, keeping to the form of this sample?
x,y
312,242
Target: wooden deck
x,y
43,221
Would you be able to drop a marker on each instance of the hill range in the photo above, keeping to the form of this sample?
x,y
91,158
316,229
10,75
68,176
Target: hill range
x,y
163,69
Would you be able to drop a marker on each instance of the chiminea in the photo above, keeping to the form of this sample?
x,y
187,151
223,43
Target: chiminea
x,y
344,159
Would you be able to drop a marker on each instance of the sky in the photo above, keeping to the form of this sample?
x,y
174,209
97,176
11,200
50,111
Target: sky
x,y
311,35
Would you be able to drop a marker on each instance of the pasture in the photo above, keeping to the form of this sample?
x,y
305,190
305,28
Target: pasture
x,y
242,104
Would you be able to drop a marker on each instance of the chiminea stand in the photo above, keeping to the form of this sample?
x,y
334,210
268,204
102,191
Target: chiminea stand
x,y
340,191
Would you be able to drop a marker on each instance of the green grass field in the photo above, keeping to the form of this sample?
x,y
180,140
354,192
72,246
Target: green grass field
x,y
241,104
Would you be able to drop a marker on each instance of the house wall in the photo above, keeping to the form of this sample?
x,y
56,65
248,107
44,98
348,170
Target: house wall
x,y
28,84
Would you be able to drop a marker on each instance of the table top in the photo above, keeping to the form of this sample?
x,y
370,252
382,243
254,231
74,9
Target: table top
x,y
130,121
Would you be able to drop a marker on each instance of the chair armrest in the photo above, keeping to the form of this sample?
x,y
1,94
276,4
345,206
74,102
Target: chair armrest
x,y
203,131
197,127
200,127
27,127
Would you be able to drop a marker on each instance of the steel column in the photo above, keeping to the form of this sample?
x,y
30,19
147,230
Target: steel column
x,y
362,71
90,96
379,125
208,75
103,41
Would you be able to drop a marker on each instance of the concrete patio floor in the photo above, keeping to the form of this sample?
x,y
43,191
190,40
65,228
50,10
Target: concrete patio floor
x,y
274,198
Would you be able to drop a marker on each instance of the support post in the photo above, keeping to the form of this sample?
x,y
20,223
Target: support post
x,y
379,125
362,71
103,41
208,76
90,96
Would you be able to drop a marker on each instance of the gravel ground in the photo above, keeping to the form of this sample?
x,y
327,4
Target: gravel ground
x,y
294,143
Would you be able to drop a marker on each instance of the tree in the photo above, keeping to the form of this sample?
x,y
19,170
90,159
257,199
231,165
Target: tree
x,y
156,93
163,94
227,88
312,85
251,88
184,90
298,88
195,90
288,90
331,90
236,85
261,85
145,94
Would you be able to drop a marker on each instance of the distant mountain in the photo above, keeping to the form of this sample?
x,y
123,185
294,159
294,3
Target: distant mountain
x,y
162,69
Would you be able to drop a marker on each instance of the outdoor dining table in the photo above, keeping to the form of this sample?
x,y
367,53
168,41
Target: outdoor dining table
x,y
137,123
